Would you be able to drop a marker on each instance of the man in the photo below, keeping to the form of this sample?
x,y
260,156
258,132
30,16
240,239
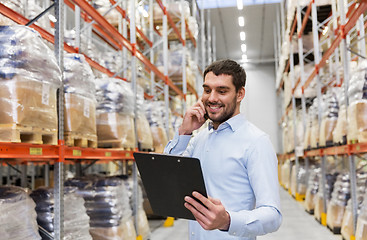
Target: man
x,y
238,162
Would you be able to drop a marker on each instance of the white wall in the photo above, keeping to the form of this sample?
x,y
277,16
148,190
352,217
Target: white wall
x,y
259,104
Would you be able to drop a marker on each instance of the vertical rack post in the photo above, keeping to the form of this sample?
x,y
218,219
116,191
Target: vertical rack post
x,y
202,28
183,34
292,77
319,96
214,42
196,57
208,34
124,34
336,52
133,86
77,27
165,65
59,165
346,59
151,52
302,77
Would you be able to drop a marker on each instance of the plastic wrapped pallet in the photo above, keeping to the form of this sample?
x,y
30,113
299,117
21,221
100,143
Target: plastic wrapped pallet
x,y
174,8
347,228
312,189
115,113
340,130
338,202
286,168
29,78
143,225
329,187
315,130
329,119
145,139
361,231
80,102
107,204
357,110
154,116
76,220
18,219
299,176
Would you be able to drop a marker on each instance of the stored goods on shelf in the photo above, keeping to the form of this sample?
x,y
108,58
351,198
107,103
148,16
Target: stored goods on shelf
x,y
340,130
338,202
142,220
80,103
30,77
107,204
285,179
154,111
357,109
299,176
144,135
174,9
18,219
361,231
312,189
76,220
329,187
115,114
329,118
347,229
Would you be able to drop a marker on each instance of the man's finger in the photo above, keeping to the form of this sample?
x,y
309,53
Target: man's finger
x,y
203,199
199,216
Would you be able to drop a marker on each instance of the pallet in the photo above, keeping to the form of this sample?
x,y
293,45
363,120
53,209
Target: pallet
x,y
311,212
334,230
145,148
26,134
79,140
116,144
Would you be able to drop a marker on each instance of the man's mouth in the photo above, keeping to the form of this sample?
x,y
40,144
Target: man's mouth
x,y
214,108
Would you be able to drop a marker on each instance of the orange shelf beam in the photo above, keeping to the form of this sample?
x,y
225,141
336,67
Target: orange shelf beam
x,y
113,32
124,15
190,34
97,153
173,25
341,34
29,151
305,19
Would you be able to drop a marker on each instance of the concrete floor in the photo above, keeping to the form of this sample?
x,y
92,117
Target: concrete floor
x,y
297,225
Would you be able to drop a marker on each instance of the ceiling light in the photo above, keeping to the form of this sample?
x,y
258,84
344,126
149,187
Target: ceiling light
x,y
241,21
243,47
243,36
244,57
239,4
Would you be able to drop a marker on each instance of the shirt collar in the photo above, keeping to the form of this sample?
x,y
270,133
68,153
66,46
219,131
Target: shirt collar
x,y
234,123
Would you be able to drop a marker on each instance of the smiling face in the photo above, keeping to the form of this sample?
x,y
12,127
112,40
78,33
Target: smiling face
x,y
220,98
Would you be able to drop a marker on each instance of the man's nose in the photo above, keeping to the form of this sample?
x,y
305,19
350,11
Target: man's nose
x,y
213,97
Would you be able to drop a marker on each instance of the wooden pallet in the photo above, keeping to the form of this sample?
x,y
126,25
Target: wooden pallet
x,y
79,140
116,144
25,134
334,230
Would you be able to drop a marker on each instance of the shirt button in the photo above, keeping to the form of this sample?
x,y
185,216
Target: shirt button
x,y
192,233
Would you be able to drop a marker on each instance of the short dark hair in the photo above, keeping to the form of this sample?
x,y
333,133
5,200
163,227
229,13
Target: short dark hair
x,y
228,67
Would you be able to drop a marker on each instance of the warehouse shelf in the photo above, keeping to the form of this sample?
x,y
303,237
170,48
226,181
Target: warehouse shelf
x,y
342,25
39,152
24,153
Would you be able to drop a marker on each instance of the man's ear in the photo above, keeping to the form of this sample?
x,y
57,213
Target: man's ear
x,y
240,94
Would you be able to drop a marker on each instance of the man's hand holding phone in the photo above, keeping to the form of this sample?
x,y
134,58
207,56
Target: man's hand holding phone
x,y
194,118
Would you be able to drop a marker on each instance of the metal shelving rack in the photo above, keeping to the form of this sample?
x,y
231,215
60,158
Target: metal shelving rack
x,y
58,155
341,40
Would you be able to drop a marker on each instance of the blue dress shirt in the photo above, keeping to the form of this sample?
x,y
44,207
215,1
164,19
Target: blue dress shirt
x,y
240,168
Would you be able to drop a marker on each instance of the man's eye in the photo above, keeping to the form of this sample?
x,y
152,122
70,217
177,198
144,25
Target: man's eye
x,y
222,92
206,90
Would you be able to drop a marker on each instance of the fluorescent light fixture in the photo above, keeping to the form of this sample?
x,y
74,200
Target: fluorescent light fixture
x,y
243,36
239,4
241,21
243,47
244,57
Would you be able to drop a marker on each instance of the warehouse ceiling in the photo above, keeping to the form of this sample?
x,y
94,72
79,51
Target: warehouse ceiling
x,y
260,18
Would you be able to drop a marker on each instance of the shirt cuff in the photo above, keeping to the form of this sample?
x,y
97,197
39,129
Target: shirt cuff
x,y
178,144
239,223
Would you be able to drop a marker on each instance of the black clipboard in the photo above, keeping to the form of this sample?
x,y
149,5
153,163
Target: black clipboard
x,y
167,179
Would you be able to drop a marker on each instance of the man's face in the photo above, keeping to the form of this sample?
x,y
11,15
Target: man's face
x,y
220,98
